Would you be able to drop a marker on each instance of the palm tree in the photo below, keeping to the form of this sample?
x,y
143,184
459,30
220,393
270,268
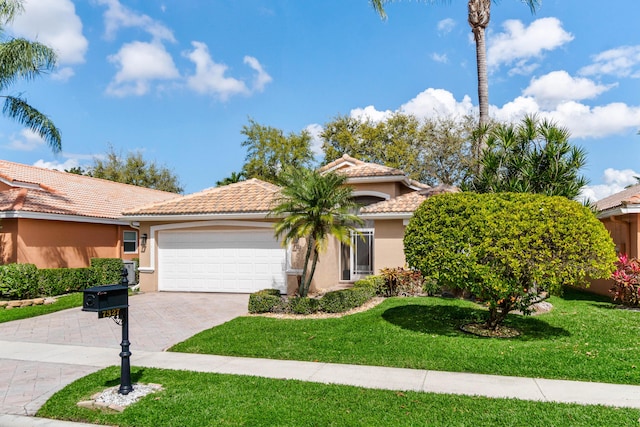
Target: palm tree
x,y
314,206
479,12
533,157
24,59
232,179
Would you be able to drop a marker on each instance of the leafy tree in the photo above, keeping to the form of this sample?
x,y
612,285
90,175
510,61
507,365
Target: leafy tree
x,y
134,170
534,156
76,170
507,248
24,59
434,151
314,206
478,15
232,179
269,151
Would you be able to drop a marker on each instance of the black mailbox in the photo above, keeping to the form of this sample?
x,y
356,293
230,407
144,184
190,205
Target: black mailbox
x,y
109,298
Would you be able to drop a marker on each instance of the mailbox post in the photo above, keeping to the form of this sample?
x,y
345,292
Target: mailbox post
x,y
113,301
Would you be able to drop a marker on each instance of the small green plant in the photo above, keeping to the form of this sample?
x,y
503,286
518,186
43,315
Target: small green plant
x,y
264,301
302,305
344,299
376,284
626,281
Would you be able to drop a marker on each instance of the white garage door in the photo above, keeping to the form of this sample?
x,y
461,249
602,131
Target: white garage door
x,y
220,261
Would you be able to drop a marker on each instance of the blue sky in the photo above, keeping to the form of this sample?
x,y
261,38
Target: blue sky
x,y
177,79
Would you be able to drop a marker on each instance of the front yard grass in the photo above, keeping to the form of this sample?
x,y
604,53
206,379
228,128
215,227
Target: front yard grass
x,y
198,399
62,303
584,338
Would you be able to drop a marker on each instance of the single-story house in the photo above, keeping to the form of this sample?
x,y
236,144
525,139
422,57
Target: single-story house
x,y
620,214
57,219
222,239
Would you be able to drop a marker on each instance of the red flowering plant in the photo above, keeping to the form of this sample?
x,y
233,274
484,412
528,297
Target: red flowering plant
x,y
626,281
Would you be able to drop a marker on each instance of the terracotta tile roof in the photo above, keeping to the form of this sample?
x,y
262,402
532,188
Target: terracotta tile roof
x,y
250,196
407,203
354,168
627,196
46,191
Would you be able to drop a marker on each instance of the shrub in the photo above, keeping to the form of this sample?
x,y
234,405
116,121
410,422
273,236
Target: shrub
x,y
376,284
264,301
108,270
302,305
402,282
57,281
345,299
507,248
626,281
19,281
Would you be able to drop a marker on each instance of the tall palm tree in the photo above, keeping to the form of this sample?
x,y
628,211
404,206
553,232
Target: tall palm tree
x,y
479,13
24,59
314,206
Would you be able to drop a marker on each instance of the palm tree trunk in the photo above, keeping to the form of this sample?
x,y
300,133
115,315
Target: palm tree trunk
x,y
479,15
304,286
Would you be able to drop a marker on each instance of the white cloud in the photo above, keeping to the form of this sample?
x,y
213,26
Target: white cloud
x,y
63,74
440,57
67,164
315,130
445,26
620,62
614,182
210,77
518,44
25,140
594,122
54,23
437,102
262,78
139,63
370,113
118,16
558,86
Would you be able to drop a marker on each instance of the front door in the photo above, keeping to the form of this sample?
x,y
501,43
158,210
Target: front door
x,y
357,259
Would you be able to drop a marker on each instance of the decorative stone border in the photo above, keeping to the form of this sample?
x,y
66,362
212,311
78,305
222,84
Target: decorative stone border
x,y
26,302
111,399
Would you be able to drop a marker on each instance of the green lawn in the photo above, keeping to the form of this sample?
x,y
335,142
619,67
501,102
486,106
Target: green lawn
x,y
197,399
583,338
62,303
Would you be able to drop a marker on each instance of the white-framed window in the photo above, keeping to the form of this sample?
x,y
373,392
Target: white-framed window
x,y
357,260
130,242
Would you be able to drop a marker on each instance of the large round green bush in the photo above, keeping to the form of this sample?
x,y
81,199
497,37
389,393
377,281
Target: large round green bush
x,y
507,248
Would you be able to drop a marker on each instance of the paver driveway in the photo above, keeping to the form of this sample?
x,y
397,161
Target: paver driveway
x,y
156,321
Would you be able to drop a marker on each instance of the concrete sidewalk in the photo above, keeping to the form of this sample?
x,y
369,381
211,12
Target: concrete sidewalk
x,y
92,358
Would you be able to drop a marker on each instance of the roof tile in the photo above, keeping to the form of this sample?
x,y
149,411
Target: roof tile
x,y
250,196
39,190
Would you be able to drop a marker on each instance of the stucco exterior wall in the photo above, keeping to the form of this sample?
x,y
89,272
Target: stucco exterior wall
x,y
388,248
59,244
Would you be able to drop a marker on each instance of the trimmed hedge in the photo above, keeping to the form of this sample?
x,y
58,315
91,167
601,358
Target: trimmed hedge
x,y
264,301
58,281
270,301
23,281
108,270
19,281
344,299
376,284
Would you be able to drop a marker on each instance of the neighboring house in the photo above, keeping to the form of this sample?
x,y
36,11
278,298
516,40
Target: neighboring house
x,y
620,214
57,219
222,239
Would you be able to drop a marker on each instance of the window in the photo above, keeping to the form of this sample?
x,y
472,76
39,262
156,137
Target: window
x,y
130,242
357,259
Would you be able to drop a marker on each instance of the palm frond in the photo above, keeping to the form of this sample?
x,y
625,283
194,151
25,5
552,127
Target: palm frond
x,y
19,110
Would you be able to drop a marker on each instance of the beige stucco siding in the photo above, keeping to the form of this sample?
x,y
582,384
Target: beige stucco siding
x,y
388,248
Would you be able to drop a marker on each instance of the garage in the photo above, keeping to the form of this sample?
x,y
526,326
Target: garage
x,y
220,261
